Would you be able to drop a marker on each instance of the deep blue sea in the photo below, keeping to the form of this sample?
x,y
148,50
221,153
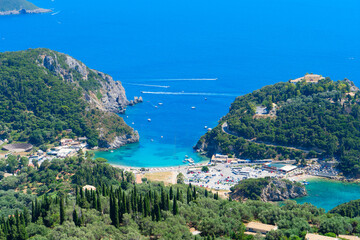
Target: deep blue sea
x,y
243,44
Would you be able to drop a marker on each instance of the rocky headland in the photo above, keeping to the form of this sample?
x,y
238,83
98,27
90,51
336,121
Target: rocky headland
x,y
267,190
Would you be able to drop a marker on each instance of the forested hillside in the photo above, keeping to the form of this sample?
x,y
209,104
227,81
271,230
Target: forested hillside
x,y
300,120
49,202
43,93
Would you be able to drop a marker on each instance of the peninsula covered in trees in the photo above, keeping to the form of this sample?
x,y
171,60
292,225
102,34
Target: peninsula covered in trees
x,y
293,120
46,95
9,7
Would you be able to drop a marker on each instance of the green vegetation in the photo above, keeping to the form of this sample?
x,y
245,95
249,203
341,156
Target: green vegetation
x,y
323,117
119,209
9,5
349,209
37,106
250,188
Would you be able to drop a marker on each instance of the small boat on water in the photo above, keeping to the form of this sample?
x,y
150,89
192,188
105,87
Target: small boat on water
x,y
149,119
160,103
193,107
205,99
209,129
205,127
132,123
111,151
156,106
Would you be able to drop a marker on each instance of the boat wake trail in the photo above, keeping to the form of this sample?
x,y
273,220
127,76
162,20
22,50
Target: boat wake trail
x,y
147,85
191,93
183,79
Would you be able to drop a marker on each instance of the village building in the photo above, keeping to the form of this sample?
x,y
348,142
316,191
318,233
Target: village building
x,y
89,187
311,78
252,228
313,236
219,158
285,168
66,141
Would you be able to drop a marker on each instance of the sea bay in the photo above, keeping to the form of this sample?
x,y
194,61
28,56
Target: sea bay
x,y
244,45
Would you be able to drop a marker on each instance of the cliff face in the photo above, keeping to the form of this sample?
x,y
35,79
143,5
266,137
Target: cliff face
x,y
99,90
112,94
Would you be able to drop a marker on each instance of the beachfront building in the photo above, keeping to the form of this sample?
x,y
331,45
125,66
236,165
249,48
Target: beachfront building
x,y
279,167
252,228
219,158
313,236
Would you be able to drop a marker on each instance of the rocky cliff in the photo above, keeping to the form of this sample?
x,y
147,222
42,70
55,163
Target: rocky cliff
x,y
280,190
99,90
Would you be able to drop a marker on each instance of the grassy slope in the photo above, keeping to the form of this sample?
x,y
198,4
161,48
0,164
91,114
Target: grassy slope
x,y
9,5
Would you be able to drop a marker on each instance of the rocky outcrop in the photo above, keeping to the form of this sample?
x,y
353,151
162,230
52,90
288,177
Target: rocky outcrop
x,y
100,91
112,94
121,141
267,189
280,190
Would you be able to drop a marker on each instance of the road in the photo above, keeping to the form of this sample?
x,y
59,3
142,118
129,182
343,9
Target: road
x,y
226,130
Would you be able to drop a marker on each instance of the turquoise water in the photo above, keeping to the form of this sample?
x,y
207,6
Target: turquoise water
x,y
245,45
328,194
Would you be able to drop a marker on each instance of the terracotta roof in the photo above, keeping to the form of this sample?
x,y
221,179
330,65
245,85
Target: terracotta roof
x,y
260,226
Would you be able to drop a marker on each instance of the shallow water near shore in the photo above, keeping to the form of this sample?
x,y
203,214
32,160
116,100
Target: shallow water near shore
x,y
328,194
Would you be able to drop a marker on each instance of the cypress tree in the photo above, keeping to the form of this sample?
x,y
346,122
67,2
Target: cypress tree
x,y
116,213
175,207
189,196
171,193
33,218
178,194
99,203
62,211
75,218
26,216
194,193
162,205
206,193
